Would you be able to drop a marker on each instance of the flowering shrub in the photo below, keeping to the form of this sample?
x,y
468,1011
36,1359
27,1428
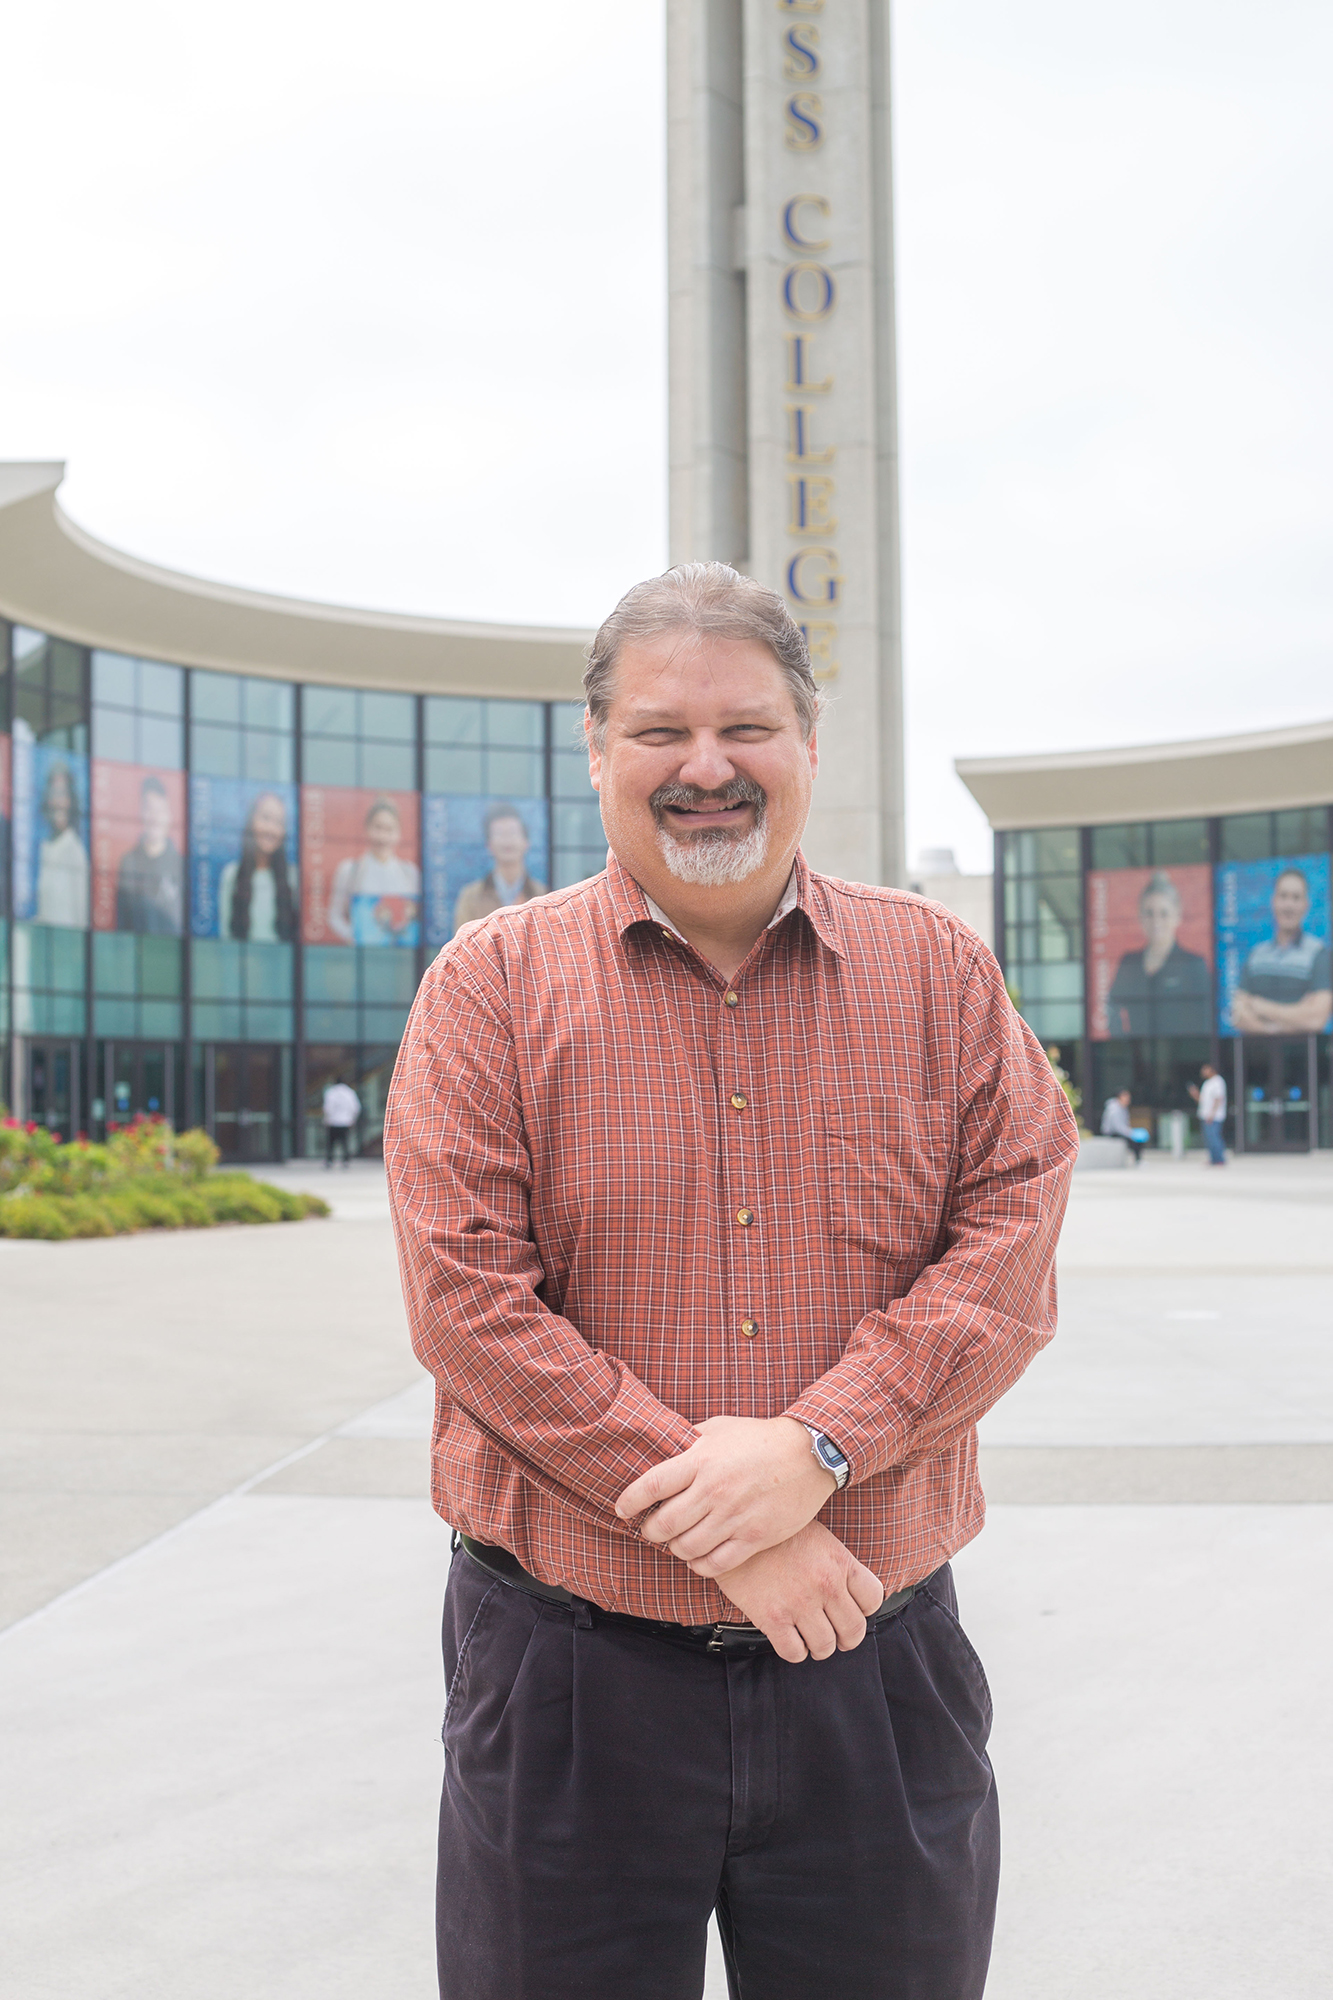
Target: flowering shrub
x,y
145,1177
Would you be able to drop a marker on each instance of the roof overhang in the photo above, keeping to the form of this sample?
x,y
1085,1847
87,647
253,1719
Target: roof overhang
x,y
59,579
1209,776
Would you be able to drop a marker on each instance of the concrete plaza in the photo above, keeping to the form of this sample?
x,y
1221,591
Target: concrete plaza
x,y
221,1583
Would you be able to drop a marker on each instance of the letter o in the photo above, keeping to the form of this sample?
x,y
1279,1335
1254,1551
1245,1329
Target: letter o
x,y
808,291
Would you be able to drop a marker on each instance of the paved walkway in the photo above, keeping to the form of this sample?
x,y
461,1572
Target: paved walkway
x,y
221,1585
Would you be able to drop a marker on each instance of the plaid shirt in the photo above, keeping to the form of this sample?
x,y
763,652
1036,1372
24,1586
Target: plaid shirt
x,y
629,1196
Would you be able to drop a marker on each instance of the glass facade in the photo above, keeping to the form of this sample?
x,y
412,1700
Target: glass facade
x,y
219,891
1147,949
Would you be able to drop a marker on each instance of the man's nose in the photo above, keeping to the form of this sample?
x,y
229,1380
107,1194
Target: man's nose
x,y
707,764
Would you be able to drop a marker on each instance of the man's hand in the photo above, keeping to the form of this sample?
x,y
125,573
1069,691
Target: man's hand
x,y
809,1597
748,1484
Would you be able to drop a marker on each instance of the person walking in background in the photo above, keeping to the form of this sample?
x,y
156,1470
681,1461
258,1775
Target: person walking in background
x,y
1212,1102
1116,1123
342,1108
726,1197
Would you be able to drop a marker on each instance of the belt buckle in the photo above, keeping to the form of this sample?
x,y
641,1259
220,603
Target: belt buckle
x,y
718,1641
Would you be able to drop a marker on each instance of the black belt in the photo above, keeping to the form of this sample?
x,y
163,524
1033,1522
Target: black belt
x,y
719,1638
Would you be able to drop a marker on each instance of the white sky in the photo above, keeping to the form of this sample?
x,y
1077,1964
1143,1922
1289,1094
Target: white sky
x,y
368,305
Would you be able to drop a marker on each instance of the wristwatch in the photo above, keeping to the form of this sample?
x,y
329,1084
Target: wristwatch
x,y
829,1456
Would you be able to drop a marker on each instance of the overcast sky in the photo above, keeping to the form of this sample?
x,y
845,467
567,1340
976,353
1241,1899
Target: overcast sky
x,y
368,305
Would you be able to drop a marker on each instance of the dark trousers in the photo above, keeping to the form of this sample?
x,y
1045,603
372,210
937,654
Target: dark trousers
x,y
336,1139
606,1788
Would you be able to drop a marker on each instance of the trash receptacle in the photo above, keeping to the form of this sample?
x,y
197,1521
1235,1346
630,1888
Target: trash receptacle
x,y
1173,1132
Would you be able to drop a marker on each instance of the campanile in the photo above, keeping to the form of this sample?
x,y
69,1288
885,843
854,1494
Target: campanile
x,y
784,431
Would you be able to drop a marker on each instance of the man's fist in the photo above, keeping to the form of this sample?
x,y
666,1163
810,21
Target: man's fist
x,y
810,1597
746,1485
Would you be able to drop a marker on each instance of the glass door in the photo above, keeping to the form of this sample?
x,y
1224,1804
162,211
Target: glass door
x,y
52,1097
243,1087
1277,1093
137,1079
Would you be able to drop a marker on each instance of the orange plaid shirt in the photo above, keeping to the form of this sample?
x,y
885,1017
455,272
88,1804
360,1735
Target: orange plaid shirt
x,y
629,1196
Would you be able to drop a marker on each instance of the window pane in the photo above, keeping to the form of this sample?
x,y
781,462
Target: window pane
x,y
215,751
216,1021
569,776
267,704
161,689
515,773
267,755
566,724
457,771
328,760
65,671
520,724
1179,840
330,972
114,679
328,711
1120,847
1304,831
268,972
113,735
579,825
115,966
387,975
117,1018
383,1024
268,1024
215,697
389,766
392,717
161,742
451,720
65,959
577,866
160,1020
1248,837
160,967
1057,851
27,645
215,966
331,1024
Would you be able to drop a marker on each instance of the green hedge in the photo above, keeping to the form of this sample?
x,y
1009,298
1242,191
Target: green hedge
x,y
153,1201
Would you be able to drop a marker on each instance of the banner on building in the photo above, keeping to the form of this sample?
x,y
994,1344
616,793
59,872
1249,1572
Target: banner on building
x,y
1149,937
49,834
360,872
1273,974
482,854
138,849
243,879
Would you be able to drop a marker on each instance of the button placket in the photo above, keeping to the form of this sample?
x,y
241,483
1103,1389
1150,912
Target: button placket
x,y
739,1172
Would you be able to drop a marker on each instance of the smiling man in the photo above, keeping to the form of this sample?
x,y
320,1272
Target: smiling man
x,y
727,1197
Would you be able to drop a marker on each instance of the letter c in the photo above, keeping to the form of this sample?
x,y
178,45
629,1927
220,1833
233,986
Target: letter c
x,y
791,221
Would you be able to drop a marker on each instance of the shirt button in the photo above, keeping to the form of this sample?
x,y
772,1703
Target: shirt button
x,y
732,999
665,932
749,1328
738,1103
745,1216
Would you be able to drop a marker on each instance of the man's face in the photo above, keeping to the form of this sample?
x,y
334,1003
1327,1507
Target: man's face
x,y
1291,902
1161,920
155,814
507,843
705,775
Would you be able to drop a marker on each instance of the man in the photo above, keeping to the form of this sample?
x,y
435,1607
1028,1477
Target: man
x,y
1212,1102
508,882
342,1108
727,1197
150,880
1117,1124
1285,986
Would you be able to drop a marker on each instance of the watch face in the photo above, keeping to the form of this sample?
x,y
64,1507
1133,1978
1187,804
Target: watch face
x,y
830,1457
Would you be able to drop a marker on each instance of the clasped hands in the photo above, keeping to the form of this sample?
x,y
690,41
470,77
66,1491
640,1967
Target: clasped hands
x,y
739,1506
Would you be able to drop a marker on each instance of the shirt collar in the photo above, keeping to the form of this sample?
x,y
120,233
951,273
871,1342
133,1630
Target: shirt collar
x,y
803,892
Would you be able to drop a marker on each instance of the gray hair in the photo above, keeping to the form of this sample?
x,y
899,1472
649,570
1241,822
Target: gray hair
x,y
705,599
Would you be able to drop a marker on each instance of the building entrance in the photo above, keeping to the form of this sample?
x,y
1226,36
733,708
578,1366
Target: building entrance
x,y
52,1096
136,1080
1276,1079
246,1087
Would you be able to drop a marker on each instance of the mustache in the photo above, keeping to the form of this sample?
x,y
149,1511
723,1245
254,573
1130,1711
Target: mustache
x,y
739,791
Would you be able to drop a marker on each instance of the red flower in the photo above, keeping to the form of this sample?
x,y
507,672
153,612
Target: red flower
x,y
31,1126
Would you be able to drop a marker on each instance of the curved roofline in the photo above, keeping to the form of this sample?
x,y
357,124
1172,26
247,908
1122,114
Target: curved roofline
x,y
1259,771
58,578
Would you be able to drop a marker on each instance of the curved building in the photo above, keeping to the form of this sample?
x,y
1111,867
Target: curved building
x,y
1167,905
237,826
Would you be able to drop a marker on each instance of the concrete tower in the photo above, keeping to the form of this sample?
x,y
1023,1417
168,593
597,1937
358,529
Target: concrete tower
x,y
784,434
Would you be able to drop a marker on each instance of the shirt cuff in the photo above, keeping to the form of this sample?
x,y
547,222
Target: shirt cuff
x,y
849,1406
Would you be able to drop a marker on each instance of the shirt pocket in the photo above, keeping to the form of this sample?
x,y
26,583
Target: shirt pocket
x,y
890,1163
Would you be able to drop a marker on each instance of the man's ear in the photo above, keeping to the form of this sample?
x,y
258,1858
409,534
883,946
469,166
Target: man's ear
x,y
594,754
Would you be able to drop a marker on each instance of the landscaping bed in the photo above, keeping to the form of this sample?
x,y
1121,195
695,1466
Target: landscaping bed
x,y
145,1177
